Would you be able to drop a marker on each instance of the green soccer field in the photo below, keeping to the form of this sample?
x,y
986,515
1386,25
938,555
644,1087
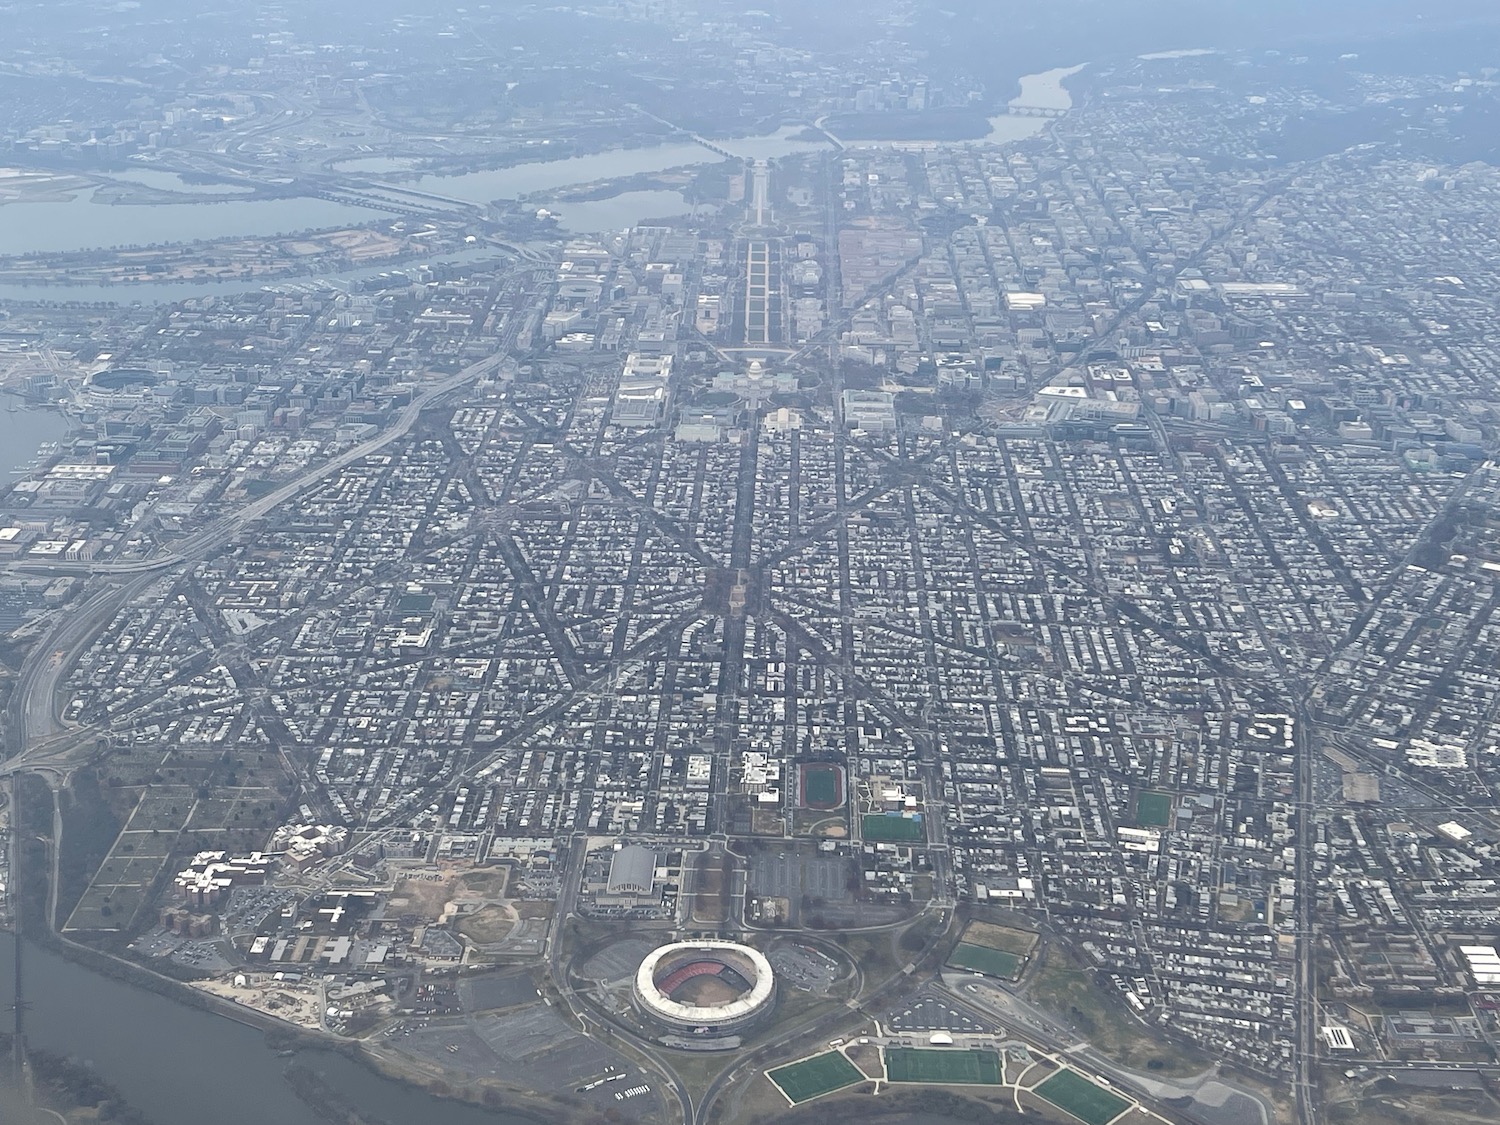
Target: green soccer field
x,y
1085,1100
990,962
882,829
1153,810
821,787
942,1068
814,1077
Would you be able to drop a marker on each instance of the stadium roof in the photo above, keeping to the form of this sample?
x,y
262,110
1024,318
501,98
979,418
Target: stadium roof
x,y
632,871
710,1014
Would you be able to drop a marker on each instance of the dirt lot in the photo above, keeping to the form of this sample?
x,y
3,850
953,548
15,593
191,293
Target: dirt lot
x,y
710,879
424,896
488,925
1004,938
489,883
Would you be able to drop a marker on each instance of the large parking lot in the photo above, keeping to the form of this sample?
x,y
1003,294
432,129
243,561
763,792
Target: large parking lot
x,y
535,1048
791,875
930,1013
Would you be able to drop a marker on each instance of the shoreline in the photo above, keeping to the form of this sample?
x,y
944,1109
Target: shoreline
x,y
281,1035
791,134
32,901
149,292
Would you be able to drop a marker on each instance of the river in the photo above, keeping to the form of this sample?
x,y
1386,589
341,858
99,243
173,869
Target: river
x,y
82,224
23,431
615,213
1046,90
549,175
161,292
183,1066
1038,91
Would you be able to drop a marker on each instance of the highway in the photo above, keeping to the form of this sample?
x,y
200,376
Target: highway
x,y
31,719
816,1026
32,724
214,535
1304,1057
557,971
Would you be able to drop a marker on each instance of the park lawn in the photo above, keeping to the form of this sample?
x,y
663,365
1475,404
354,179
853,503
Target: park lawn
x,y
814,1077
1072,1093
1099,1017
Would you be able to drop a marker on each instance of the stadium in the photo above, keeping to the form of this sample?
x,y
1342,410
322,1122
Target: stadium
x,y
709,988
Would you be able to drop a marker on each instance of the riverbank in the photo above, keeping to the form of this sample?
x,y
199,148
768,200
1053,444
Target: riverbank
x,y
249,261
65,1086
189,224
143,1027
63,294
25,429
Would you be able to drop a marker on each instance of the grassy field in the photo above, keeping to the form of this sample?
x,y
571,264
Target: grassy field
x,y
1100,1017
821,787
117,889
1153,810
1467,1107
1072,1093
1008,939
175,802
868,1059
873,953
814,1077
990,962
936,1067
818,823
882,829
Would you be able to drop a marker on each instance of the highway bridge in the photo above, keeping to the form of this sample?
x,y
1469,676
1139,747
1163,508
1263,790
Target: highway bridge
x,y
712,146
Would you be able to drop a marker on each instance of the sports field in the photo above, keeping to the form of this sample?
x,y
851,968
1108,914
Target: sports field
x,y
1153,810
814,1077
942,1068
990,962
1085,1100
882,829
822,787
992,935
